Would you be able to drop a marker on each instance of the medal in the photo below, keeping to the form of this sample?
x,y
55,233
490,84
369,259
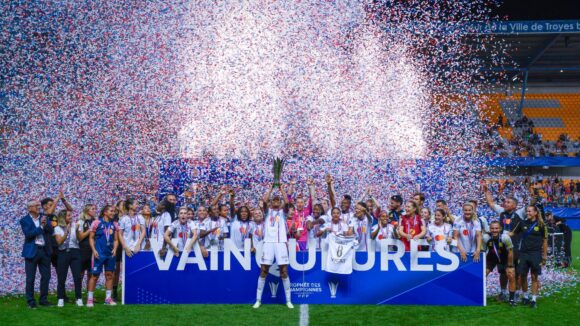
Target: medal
x,y
107,231
133,229
184,233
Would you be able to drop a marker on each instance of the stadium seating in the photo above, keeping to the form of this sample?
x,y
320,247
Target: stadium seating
x,y
552,114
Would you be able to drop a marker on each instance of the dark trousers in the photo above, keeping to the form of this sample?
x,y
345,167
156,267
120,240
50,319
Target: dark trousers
x,y
69,259
42,262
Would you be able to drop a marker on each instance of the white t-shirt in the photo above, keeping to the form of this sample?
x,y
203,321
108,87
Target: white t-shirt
x,y
439,234
275,228
72,237
182,232
240,231
362,232
467,234
213,239
130,230
316,227
158,225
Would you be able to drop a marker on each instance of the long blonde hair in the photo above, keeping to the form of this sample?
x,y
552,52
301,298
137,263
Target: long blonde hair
x,y
85,213
61,218
539,217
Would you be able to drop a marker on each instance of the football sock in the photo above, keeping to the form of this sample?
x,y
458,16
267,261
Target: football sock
x,y
261,282
286,282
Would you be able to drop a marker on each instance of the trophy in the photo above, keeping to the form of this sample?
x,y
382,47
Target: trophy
x,y
277,167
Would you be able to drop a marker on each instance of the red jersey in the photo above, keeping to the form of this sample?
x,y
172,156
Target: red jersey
x,y
411,225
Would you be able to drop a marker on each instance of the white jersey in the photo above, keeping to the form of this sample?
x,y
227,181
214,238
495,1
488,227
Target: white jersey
x,y
213,239
362,232
347,217
257,232
71,239
484,224
385,233
197,225
339,228
182,232
340,254
275,227
157,227
130,230
467,234
316,227
440,234
240,231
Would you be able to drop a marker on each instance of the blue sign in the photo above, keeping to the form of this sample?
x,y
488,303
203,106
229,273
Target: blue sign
x,y
379,277
525,27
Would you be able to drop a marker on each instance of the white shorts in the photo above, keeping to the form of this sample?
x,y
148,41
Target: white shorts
x,y
272,251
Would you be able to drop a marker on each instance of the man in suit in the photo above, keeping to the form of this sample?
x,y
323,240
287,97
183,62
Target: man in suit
x,y
36,252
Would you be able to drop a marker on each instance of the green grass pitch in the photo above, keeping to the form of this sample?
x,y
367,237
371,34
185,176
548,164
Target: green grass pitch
x,y
559,309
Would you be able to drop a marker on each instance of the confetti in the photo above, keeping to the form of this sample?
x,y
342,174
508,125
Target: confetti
x,y
104,100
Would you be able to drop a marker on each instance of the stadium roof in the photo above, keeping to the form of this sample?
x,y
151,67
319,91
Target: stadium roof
x,y
549,56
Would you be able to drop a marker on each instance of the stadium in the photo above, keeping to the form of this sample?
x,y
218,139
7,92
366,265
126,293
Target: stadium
x,y
256,162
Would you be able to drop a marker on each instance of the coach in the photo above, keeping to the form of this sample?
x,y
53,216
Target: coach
x,y
36,252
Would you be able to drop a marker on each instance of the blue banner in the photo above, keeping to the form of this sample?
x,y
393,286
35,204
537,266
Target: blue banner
x,y
535,161
230,277
525,27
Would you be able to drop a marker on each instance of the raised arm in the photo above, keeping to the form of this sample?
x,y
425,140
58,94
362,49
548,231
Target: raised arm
x,y
267,194
364,195
217,198
68,206
311,191
488,196
331,195
232,203
291,191
52,207
377,205
283,192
